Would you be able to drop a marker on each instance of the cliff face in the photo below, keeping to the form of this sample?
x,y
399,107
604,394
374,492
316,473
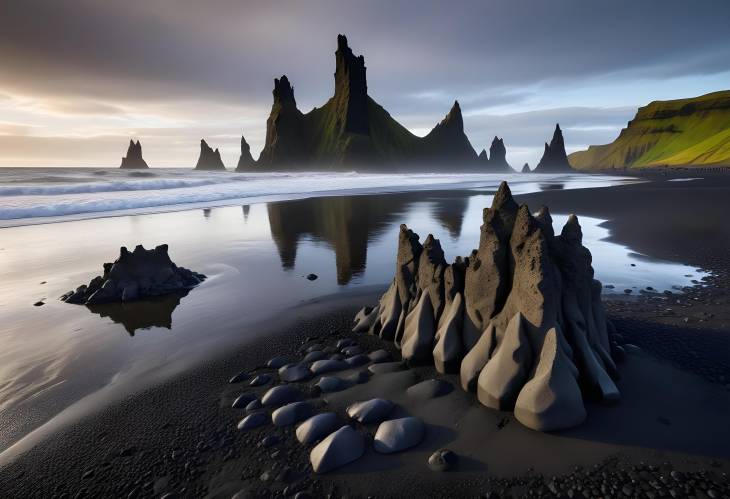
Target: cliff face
x,y
133,159
554,159
694,131
245,161
352,129
209,159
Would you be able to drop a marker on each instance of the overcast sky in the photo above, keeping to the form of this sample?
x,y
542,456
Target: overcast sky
x,y
78,78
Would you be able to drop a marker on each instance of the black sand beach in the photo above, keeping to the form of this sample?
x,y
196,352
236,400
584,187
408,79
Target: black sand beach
x,y
668,437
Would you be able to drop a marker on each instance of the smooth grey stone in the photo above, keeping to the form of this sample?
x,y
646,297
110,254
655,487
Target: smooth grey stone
x,y
329,384
317,427
277,362
294,372
315,347
280,395
259,380
351,350
398,434
291,413
429,389
442,460
254,421
370,411
387,367
340,448
329,365
345,342
254,405
357,360
314,356
358,377
242,376
243,400
379,356
337,356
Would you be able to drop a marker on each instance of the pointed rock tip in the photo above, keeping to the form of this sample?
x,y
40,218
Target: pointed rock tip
x,y
503,197
572,230
342,42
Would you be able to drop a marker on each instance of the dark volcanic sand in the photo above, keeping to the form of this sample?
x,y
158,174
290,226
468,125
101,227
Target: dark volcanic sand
x,y
181,437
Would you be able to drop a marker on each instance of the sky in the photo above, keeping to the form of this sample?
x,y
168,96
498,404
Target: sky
x,y
79,78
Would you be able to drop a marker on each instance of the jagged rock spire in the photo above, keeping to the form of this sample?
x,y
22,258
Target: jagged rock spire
x,y
351,89
498,156
245,161
283,91
209,159
133,159
526,168
554,158
447,139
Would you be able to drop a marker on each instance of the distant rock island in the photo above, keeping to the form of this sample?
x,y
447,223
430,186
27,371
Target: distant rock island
x,y
209,159
246,161
133,159
683,132
520,319
497,159
554,159
352,129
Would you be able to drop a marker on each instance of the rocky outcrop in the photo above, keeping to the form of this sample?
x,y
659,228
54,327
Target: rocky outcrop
x,y
245,161
524,326
134,276
133,159
498,157
285,142
209,159
554,159
448,142
526,168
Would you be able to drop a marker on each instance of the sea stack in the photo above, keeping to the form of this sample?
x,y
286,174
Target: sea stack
x,y
133,159
245,161
209,159
285,143
447,142
554,159
498,157
526,168
520,319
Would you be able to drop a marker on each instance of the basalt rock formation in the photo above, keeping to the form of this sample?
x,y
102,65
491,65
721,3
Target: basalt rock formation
x,y
133,159
134,276
554,159
352,129
498,157
520,319
526,168
245,161
209,159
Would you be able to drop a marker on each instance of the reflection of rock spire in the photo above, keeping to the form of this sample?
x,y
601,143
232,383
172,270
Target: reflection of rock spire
x,y
153,312
246,210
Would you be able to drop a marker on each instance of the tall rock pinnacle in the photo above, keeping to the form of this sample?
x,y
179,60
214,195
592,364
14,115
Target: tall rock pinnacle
x,y
448,142
245,161
351,88
498,157
133,159
285,138
209,159
554,159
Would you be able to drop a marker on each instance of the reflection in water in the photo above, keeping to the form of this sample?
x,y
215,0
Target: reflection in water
x,y
246,210
154,312
206,212
348,223
552,186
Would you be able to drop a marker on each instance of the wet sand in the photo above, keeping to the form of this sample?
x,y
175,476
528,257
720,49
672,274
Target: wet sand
x,y
180,436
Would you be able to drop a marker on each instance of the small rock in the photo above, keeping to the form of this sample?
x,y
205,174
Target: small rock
x,y
358,377
344,342
330,384
328,365
429,389
317,427
269,441
38,304
351,350
357,360
312,277
277,362
314,356
243,400
254,405
370,411
280,395
294,372
340,448
254,421
442,460
260,380
398,434
387,367
242,376
379,356
292,413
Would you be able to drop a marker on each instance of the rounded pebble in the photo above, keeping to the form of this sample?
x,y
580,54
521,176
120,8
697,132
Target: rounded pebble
x,y
291,413
317,427
280,395
254,421
398,434
370,411
442,460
